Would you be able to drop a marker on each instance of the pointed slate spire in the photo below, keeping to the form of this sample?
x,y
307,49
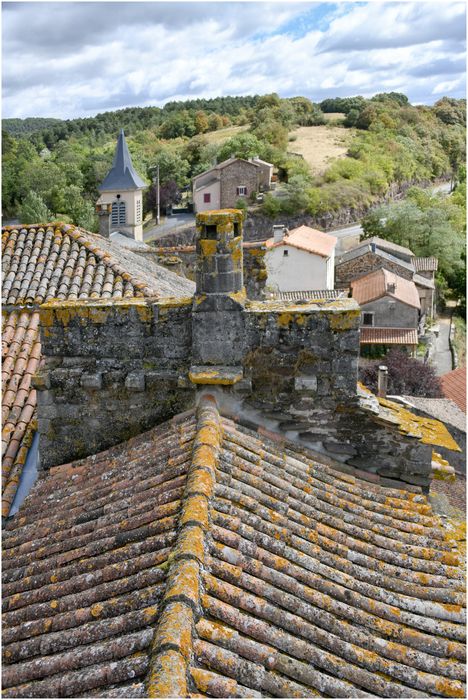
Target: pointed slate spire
x,y
122,175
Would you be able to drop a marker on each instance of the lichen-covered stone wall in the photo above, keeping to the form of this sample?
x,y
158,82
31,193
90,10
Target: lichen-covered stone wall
x,y
301,358
111,370
114,369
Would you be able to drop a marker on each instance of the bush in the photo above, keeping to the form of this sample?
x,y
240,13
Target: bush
x,y
33,210
406,376
271,206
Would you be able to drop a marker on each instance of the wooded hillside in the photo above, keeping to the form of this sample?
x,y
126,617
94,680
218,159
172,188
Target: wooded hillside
x,y
51,168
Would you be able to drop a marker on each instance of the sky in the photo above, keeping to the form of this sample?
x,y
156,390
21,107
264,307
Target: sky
x,y
75,59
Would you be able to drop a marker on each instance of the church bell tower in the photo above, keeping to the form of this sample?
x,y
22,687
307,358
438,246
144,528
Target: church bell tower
x,y
120,206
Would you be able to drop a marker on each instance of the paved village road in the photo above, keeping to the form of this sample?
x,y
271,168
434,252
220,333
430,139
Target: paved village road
x,y
169,225
442,357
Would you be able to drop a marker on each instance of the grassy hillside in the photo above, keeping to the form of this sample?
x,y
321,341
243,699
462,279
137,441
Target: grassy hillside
x,y
320,145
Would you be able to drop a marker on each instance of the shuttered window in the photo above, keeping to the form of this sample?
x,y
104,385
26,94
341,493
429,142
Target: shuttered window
x,y
119,214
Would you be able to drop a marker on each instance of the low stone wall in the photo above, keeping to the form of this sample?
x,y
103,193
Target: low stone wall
x,y
111,370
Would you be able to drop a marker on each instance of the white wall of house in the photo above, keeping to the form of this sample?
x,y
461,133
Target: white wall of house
x,y
213,190
133,201
290,269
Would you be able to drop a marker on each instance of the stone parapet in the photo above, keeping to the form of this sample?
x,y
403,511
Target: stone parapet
x,y
111,370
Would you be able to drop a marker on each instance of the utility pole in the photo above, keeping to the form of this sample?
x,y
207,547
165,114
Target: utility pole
x,y
157,195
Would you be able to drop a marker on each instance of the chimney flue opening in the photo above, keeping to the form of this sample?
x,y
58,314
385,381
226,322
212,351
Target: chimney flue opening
x,y
382,381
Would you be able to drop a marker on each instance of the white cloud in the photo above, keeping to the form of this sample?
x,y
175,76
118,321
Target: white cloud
x,y
89,57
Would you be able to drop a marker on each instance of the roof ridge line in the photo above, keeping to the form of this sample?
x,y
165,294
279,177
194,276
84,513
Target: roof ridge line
x,y
172,644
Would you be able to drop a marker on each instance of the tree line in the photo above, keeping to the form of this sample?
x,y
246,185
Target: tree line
x,y
53,172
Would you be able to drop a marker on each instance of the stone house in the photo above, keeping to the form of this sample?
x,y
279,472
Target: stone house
x,y
221,510
390,309
300,260
376,253
233,179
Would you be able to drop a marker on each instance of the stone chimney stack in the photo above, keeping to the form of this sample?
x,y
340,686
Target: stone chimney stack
x,y
218,333
382,381
279,232
219,252
104,213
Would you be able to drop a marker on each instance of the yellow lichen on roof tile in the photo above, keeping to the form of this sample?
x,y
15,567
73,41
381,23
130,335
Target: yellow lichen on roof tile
x,y
429,430
168,673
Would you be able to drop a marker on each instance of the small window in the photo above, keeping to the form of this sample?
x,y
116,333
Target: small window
x,y
367,319
285,252
241,190
207,197
138,211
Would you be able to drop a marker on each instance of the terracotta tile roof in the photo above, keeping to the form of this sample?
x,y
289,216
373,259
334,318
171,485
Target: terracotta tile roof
x,y
85,567
21,352
309,239
212,561
41,263
426,264
388,336
313,294
47,262
454,386
381,283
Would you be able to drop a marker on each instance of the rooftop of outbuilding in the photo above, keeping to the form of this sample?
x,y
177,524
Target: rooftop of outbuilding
x,y
206,559
454,387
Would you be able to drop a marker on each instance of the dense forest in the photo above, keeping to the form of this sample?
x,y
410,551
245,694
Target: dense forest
x,y
51,168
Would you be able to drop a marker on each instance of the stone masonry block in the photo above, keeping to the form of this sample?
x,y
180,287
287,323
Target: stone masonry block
x,y
92,381
305,383
135,381
41,381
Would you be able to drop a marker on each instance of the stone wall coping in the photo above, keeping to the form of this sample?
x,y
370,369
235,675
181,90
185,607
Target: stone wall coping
x,y
310,306
171,250
129,302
